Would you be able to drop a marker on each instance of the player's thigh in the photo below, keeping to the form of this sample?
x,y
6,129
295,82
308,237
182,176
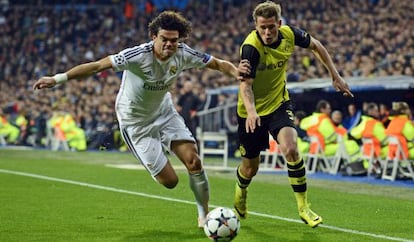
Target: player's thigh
x,y
250,144
147,149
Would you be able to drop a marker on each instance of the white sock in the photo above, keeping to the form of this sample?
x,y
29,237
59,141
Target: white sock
x,y
200,187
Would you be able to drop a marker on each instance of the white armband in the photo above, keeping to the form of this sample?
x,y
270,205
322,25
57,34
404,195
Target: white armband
x,y
60,78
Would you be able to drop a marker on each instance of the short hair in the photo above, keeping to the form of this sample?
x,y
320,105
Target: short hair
x,y
400,108
300,114
170,20
322,104
336,112
267,9
370,106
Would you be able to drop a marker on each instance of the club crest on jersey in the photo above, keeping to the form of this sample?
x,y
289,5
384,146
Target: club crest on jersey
x,y
288,46
242,150
173,70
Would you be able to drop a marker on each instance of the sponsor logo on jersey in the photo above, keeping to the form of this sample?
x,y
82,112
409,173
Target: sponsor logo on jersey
x,y
271,66
157,86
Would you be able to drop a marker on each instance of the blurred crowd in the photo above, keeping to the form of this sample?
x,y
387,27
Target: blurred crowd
x,y
366,38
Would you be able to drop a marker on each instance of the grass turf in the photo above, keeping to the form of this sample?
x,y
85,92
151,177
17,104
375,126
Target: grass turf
x,y
69,196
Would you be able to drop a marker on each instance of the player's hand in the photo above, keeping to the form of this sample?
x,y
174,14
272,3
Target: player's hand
x,y
44,82
243,69
341,86
252,121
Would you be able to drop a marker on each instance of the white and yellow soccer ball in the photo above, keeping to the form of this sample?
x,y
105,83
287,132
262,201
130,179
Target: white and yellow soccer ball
x,y
222,224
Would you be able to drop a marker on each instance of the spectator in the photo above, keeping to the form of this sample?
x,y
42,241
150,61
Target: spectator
x,y
402,127
336,117
76,32
320,125
187,106
7,130
303,138
352,117
384,114
371,128
65,126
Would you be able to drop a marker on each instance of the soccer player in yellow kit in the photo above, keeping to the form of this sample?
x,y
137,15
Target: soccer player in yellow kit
x,y
264,104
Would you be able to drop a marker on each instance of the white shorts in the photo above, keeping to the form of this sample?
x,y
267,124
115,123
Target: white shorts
x,y
150,141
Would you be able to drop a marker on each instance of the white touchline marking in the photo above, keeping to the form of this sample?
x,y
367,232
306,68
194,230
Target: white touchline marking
x,y
112,189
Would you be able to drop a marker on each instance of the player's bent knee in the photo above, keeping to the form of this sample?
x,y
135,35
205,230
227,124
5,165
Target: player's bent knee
x,y
170,184
167,177
291,152
194,164
250,172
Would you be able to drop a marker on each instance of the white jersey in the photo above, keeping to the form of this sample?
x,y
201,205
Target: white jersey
x,y
146,81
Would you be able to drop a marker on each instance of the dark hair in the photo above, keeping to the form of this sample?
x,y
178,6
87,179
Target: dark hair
x,y
170,20
300,114
370,106
322,104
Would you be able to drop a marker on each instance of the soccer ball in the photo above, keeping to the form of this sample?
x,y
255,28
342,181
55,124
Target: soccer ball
x,y
222,224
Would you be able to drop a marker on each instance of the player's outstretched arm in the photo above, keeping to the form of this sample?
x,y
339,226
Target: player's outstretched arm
x,y
228,68
77,72
322,54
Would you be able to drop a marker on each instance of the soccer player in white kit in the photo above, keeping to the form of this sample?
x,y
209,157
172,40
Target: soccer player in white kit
x,y
148,121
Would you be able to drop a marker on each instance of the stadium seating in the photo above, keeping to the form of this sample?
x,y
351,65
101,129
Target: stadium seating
x,y
213,143
368,154
55,139
2,140
396,162
272,157
360,64
316,158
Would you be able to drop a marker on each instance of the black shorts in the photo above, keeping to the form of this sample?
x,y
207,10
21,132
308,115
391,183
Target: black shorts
x,y
252,143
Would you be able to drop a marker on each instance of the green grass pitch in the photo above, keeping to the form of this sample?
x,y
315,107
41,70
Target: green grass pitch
x,y
69,196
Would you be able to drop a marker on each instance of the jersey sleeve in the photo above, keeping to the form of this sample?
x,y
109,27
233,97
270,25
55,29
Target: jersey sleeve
x,y
194,58
302,38
252,55
122,60
119,61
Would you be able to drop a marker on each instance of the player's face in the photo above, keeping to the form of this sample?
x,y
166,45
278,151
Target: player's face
x,y
165,43
268,29
375,112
